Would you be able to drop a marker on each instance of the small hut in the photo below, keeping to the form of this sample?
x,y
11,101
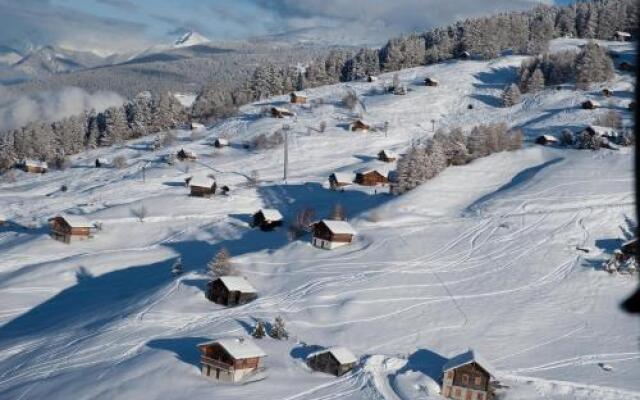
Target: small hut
x,y
338,180
330,234
387,156
230,359
359,125
267,219
431,82
231,291
465,55
335,361
65,227
202,186
195,126
371,177
590,105
297,99
102,162
34,166
281,112
467,376
606,92
603,131
622,36
221,142
187,155
546,140
372,78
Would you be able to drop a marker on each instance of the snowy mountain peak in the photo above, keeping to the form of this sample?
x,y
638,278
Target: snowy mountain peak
x,y
190,39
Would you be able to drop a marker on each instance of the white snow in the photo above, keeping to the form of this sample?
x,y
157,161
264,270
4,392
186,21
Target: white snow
x,y
238,348
341,354
339,227
202,181
237,283
468,357
483,256
271,214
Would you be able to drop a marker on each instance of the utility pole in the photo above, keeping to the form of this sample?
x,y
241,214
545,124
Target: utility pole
x,y
433,125
285,128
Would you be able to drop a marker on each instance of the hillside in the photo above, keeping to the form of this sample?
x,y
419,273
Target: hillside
x,y
483,256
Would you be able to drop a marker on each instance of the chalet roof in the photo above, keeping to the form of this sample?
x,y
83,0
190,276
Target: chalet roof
x,y
341,354
237,284
339,227
196,125
271,214
238,348
468,357
622,33
368,170
604,131
282,110
342,177
389,153
549,138
427,79
222,141
297,95
593,102
76,221
360,122
103,160
202,181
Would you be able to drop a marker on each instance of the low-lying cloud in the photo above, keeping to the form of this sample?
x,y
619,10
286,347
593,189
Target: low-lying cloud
x,y
52,106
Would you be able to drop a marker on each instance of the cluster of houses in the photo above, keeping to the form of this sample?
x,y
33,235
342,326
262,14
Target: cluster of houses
x,y
370,176
610,137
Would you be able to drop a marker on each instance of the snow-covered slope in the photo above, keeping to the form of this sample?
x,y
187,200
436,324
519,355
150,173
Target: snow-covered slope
x,y
483,256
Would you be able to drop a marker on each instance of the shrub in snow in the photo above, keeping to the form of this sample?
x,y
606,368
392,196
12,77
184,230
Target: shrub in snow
x,y
220,265
278,330
259,330
264,141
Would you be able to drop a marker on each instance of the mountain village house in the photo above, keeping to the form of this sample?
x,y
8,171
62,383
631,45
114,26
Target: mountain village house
x,y
371,177
202,186
33,166
431,82
197,127
231,291
622,36
297,99
372,78
590,105
467,377
359,125
230,359
338,180
66,227
546,140
267,219
281,112
221,142
603,131
187,155
387,156
335,361
330,234
606,92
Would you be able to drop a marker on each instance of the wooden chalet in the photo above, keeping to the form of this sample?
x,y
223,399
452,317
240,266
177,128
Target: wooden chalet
x,y
281,112
230,359
338,180
372,78
187,155
231,291
296,98
590,105
202,186
335,361
603,131
359,125
606,92
467,376
3,220
547,140
66,227
622,36
267,219
221,142
33,166
371,177
330,234
102,162
195,126
431,82
387,156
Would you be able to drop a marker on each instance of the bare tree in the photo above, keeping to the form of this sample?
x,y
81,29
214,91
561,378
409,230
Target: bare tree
x,y
350,100
220,265
338,213
302,223
610,119
140,212
322,127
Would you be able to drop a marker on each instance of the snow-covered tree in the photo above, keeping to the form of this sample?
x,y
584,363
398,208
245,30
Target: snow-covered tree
x,y
511,95
593,65
278,330
220,265
536,82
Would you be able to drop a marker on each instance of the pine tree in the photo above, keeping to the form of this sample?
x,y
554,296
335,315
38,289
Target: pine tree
x,y
593,65
278,330
511,95
259,330
536,81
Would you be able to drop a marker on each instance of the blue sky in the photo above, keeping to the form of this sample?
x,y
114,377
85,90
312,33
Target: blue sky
x,y
121,25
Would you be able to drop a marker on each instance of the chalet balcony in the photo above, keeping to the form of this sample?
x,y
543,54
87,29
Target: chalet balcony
x,y
216,363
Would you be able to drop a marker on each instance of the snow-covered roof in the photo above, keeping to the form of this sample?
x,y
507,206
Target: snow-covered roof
x,y
283,110
297,94
238,348
35,164
465,358
604,131
360,121
202,181
271,214
339,227
427,79
222,141
367,170
549,138
237,284
341,354
103,160
593,102
76,221
389,154
621,33
196,125
342,177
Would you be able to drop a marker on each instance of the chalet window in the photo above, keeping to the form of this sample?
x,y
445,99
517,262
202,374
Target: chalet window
x,y
465,379
478,380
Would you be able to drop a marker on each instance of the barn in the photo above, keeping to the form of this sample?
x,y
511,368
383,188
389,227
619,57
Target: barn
x,y
371,78
359,125
330,234
296,98
230,359
546,140
102,162
371,177
281,112
431,82
221,142
606,92
187,155
467,376
387,156
197,126
231,291
34,167
338,180
334,360
590,105
622,36
65,227
202,186
267,219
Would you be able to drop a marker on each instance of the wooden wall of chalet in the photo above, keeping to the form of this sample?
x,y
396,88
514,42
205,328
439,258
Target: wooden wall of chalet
x,y
371,179
321,231
216,352
471,376
199,191
61,230
325,362
218,293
